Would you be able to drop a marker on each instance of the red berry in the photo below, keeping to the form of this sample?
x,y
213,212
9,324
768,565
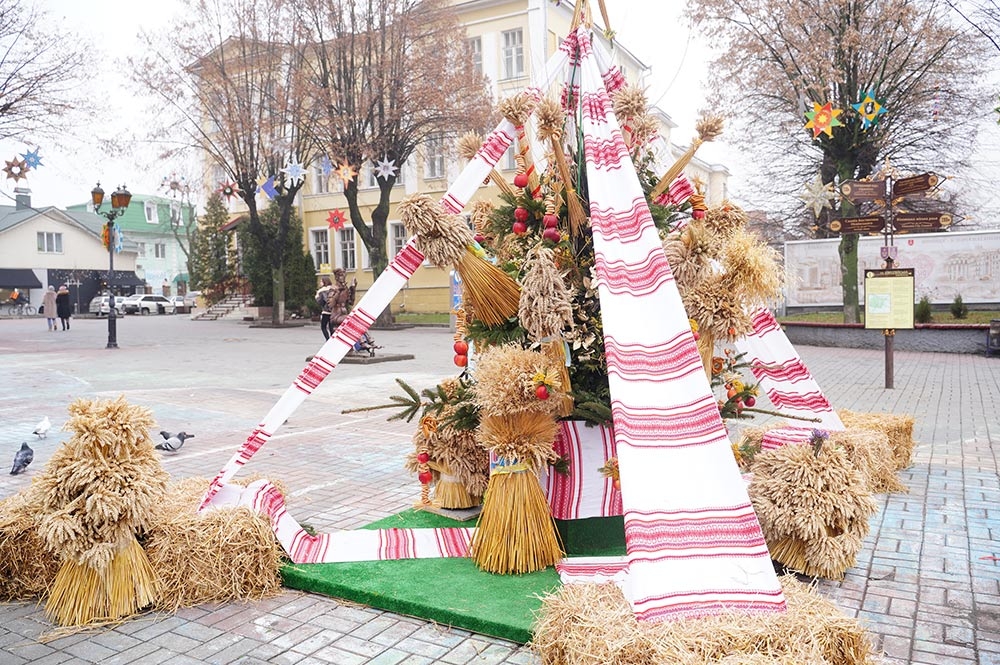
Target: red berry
x,y
521,180
425,477
696,335
550,221
698,214
750,401
520,228
551,234
542,392
462,348
423,458
521,214
480,238
461,359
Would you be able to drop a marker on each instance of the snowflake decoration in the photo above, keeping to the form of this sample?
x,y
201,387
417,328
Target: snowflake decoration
x,y
346,173
175,184
295,172
267,187
16,169
870,109
336,220
228,189
818,195
326,166
32,159
823,119
386,168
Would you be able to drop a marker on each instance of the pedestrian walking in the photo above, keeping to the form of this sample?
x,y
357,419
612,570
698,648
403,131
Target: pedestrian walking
x,y
325,300
49,307
63,308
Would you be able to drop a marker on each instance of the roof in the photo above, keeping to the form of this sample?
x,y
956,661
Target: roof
x,y
93,224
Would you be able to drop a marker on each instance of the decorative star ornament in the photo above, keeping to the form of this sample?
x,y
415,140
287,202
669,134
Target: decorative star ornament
x,y
336,220
386,168
326,166
346,173
818,195
267,187
823,119
175,184
870,109
228,189
295,172
32,159
16,169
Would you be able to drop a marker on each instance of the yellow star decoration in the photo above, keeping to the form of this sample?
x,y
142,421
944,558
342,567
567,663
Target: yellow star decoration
x,y
823,119
346,173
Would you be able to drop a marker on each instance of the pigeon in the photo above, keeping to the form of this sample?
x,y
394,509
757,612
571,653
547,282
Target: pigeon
x,y
42,428
22,458
173,443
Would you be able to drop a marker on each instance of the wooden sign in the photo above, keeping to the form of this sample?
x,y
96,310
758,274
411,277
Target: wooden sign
x,y
860,191
869,224
914,184
905,222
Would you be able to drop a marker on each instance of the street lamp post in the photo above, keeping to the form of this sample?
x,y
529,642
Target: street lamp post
x,y
120,199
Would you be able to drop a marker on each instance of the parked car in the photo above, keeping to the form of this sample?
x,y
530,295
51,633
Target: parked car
x,y
180,304
191,298
99,305
147,303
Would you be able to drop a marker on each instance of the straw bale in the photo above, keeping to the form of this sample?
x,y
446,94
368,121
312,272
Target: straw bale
x,y
591,624
27,568
808,497
506,381
217,555
898,427
871,453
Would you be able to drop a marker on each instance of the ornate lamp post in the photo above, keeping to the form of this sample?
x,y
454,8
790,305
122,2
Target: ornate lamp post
x,y
120,199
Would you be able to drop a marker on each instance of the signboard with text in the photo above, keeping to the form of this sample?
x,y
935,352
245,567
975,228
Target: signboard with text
x,y
889,299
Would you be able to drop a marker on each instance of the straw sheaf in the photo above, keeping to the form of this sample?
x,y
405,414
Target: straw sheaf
x,y
505,382
644,129
517,108
522,437
591,624
441,237
725,219
688,255
711,304
455,451
469,144
544,309
709,127
550,119
27,567
899,429
629,102
212,556
871,454
481,213
753,269
810,499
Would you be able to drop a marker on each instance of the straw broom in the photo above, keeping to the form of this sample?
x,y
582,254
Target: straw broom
x,y
708,127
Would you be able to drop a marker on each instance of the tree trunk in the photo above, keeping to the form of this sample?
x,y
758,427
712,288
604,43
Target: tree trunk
x,y
848,250
278,311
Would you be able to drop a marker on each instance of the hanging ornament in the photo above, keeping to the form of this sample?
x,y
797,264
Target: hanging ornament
x,y
326,166
818,195
32,160
336,220
294,172
16,169
870,109
823,119
228,189
346,173
118,238
267,187
386,168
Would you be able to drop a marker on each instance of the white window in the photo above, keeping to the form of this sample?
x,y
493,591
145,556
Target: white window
x,y
142,249
50,243
160,250
476,53
320,247
368,179
434,156
150,208
508,163
513,54
346,250
397,238
321,184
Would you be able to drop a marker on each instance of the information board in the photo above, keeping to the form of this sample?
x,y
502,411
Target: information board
x,y
889,299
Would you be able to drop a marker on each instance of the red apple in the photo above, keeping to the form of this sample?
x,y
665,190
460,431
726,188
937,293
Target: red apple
x,y
521,214
551,234
750,401
461,360
423,458
550,221
425,477
480,238
542,392
520,228
461,348
521,180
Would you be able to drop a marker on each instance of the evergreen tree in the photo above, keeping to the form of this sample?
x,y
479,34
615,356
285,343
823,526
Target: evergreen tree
x,y
299,271
209,264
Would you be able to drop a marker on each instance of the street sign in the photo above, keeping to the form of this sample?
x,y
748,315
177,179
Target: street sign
x,y
914,184
904,222
861,191
869,224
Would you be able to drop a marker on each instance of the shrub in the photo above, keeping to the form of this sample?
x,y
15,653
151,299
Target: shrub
x,y
922,311
958,308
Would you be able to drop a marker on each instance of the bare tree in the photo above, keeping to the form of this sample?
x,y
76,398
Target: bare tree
x,y
232,79
983,15
387,76
42,70
783,56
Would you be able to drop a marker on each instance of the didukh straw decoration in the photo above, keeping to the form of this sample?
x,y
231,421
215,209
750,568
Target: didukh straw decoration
x,y
550,122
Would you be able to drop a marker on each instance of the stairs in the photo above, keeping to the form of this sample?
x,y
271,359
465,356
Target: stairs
x,y
225,307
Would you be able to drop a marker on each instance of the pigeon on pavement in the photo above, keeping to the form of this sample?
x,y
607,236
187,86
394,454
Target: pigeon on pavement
x,y
22,458
173,443
42,428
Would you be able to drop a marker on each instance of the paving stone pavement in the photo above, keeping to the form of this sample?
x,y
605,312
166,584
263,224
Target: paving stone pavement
x,y
925,584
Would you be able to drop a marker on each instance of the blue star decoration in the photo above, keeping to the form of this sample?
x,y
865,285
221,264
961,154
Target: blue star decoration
x,y
32,159
326,166
267,186
295,172
870,109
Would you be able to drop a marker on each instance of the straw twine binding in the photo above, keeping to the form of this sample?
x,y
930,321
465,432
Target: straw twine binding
x,y
591,624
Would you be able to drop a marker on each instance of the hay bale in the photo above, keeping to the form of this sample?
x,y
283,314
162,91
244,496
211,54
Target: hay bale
x,y
872,455
27,568
899,429
219,555
813,508
591,624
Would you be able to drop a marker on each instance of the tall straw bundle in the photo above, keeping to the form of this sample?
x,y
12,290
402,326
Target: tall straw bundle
x,y
898,427
516,109
446,240
709,127
591,624
544,308
550,128
813,508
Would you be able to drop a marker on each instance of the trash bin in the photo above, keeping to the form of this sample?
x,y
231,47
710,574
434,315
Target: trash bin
x,y
993,337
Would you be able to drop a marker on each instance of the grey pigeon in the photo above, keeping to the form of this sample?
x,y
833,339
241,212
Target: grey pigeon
x,y
42,429
22,459
173,443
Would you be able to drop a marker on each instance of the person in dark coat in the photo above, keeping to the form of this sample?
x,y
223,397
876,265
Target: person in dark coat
x,y
63,308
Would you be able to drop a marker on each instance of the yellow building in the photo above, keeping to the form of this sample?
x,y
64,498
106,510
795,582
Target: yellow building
x,y
510,40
